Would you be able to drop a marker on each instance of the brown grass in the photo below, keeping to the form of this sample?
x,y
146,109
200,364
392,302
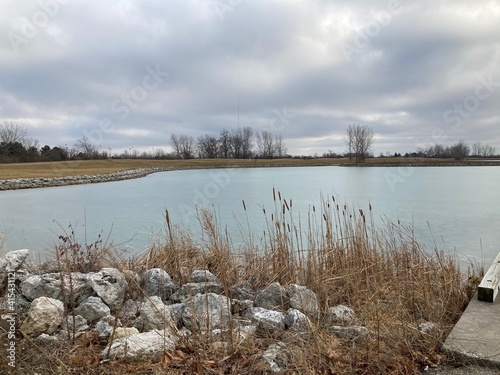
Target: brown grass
x,y
382,273
94,167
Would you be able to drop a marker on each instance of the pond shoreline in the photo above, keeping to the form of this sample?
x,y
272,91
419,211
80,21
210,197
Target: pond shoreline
x,y
42,182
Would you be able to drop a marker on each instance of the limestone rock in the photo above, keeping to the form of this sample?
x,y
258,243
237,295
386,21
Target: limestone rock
x,y
206,312
242,291
77,323
269,322
349,332
203,276
52,285
106,325
298,322
157,282
274,297
304,300
340,314
11,262
109,284
93,308
192,289
121,332
275,359
156,315
45,316
147,345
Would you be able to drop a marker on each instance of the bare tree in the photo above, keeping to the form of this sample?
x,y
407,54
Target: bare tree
x,y
183,146
460,150
349,140
279,146
265,144
11,133
247,145
207,146
224,144
270,145
84,147
478,149
359,141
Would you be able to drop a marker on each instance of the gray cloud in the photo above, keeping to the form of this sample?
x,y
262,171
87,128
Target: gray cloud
x,y
74,70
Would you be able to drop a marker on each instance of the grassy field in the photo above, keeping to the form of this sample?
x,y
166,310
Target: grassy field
x,y
93,167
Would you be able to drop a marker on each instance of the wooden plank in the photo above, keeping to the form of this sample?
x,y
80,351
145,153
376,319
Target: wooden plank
x,y
488,289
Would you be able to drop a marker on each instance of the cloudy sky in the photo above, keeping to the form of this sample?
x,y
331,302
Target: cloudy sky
x,y
130,73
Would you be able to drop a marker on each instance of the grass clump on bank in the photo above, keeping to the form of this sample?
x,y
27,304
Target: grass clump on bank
x,y
391,283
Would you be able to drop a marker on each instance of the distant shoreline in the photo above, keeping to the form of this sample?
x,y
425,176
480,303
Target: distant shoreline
x,y
127,174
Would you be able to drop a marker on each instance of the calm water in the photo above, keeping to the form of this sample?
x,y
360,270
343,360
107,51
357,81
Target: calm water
x,y
455,207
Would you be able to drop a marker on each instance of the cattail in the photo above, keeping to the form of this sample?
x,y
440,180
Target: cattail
x,y
244,206
274,195
286,204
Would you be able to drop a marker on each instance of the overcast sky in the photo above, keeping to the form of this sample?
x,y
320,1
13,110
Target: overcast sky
x,y
130,73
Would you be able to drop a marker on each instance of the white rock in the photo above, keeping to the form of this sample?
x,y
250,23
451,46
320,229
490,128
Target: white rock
x,y
202,276
206,312
304,300
340,314
140,346
93,308
156,315
268,321
109,284
11,262
298,322
45,316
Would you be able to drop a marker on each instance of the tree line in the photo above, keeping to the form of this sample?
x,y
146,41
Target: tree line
x,y
240,143
237,144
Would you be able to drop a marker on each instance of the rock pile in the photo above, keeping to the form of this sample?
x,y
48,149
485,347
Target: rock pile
x,y
30,183
164,312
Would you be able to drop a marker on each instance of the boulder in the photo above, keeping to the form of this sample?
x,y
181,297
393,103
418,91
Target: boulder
x,y
44,316
157,282
275,359
274,297
340,314
192,289
269,322
75,323
156,315
349,332
66,288
206,312
303,299
298,322
242,291
93,308
203,276
147,345
109,284
11,262
121,332
106,325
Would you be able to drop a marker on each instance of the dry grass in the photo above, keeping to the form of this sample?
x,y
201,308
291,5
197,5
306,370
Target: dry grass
x,y
382,273
93,167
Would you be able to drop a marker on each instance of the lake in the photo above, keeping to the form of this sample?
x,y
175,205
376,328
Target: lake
x,y
456,208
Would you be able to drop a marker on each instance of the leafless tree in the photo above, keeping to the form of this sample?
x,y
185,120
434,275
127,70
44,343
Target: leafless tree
x,y
265,144
460,150
224,143
207,146
279,145
359,141
478,149
270,145
11,132
86,148
183,146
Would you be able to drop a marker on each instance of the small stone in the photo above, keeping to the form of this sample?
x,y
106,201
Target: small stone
x,y
45,316
93,309
340,314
